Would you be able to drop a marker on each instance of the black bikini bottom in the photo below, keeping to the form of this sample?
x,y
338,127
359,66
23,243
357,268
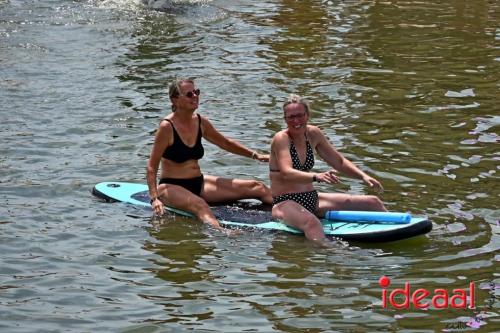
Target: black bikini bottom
x,y
194,185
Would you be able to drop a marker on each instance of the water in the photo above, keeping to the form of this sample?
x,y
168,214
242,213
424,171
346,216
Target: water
x,y
407,90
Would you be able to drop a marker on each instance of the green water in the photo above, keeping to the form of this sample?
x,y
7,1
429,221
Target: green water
x,y
407,90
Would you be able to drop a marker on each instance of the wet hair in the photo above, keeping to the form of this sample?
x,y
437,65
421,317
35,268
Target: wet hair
x,y
293,99
174,89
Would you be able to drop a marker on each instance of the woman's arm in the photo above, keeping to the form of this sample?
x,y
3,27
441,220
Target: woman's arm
x,y
161,142
211,134
337,161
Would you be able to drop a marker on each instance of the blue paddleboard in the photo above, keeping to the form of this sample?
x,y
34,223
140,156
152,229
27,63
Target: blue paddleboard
x,y
244,216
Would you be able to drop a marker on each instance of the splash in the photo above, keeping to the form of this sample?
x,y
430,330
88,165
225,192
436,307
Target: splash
x,y
117,4
172,5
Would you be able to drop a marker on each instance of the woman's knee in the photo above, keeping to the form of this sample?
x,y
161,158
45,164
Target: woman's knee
x,y
258,188
277,212
375,203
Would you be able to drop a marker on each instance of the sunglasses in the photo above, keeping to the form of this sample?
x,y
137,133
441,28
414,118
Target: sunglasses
x,y
190,94
295,116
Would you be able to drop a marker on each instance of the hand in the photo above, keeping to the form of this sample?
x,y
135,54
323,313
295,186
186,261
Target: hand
x,y
373,183
262,157
329,177
157,206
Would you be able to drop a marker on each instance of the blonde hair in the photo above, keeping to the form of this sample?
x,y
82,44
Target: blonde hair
x,y
174,88
293,99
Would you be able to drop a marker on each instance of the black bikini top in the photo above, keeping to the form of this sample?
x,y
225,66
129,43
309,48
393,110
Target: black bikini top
x,y
179,152
309,162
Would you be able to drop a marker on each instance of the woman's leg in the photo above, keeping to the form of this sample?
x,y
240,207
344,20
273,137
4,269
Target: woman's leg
x,y
340,201
298,217
218,189
178,197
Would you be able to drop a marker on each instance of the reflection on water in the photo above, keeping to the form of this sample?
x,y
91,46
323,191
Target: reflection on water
x,y
407,90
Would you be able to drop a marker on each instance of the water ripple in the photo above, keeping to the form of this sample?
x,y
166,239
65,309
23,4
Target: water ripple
x,y
83,88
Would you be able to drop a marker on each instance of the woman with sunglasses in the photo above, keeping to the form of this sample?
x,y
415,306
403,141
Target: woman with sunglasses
x,y
295,201
178,147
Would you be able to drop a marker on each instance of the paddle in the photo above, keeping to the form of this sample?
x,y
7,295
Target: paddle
x,y
368,216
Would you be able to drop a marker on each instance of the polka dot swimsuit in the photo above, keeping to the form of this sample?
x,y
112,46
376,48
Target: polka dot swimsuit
x,y
309,162
308,200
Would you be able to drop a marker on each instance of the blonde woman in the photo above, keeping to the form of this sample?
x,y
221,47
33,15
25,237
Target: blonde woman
x,y
295,201
178,147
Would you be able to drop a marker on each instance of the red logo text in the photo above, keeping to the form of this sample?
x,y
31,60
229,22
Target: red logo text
x,y
440,298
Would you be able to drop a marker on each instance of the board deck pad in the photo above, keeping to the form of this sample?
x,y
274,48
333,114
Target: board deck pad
x,y
248,215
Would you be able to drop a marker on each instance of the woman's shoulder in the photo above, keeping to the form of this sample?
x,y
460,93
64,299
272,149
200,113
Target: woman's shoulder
x,y
314,131
281,135
315,135
205,123
165,124
280,139
203,119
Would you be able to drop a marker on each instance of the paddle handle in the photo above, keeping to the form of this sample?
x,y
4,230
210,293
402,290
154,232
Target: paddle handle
x,y
367,216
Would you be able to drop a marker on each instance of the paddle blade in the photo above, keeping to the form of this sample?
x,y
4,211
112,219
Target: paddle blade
x,y
367,216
